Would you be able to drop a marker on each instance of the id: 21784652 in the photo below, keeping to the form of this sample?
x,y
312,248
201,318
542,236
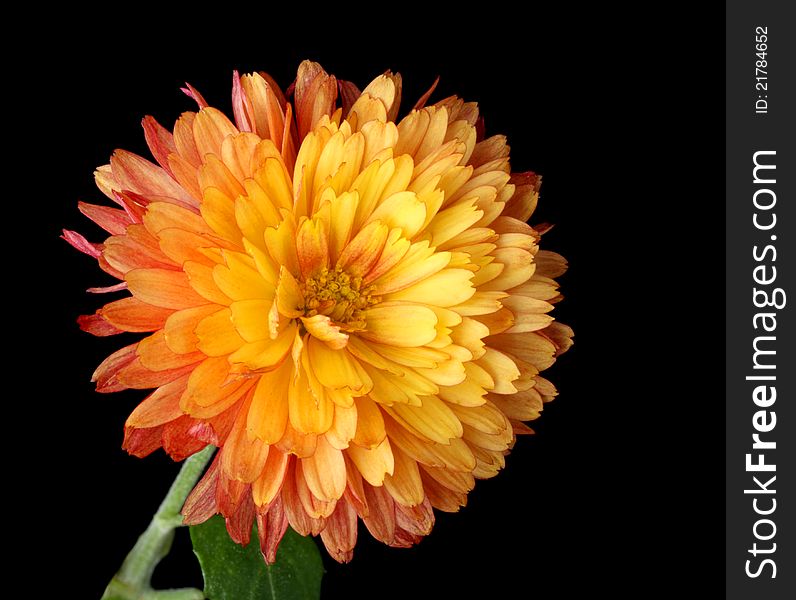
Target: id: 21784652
x,y
761,70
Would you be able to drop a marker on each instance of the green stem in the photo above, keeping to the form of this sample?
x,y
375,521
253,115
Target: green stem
x,y
133,581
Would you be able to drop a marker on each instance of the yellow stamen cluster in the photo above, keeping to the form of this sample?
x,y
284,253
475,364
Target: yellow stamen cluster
x,y
334,293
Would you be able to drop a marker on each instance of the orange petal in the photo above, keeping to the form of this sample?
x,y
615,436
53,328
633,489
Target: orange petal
x,y
155,355
308,414
160,407
325,471
243,458
217,335
131,314
210,390
179,329
210,127
163,288
268,484
267,416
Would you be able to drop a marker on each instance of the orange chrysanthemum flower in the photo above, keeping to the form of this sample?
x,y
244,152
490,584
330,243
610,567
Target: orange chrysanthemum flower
x,y
352,309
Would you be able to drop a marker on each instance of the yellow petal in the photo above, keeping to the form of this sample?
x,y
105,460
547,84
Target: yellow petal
x,y
240,280
404,484
434,420
530,347
308,414
374,463
344,426
370,423
289,298
470,334
481,303
466,393
400,325
502,370
402,210
281,244
337,369
265,353
343,210
447,287
518,269
322,328
273,179
250,318
218,211
419,262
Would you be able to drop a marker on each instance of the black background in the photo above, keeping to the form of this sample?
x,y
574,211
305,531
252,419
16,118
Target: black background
x,y
620,490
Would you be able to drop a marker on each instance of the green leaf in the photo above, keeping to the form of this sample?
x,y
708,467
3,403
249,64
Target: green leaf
x,y
232,572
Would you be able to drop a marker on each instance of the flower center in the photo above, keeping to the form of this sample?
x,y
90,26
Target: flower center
x,y
342,298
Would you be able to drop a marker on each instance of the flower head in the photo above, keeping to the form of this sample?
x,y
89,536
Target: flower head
x,y
351,308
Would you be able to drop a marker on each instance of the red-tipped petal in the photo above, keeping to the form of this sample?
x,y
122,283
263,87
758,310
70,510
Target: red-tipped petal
x,y
179,440
192,92
381,518
241,106
340,534
106,372
113,220
271,528
78,242
141,442
160,141
96,325
348,94
138,175
315,93
239,525
230,493
424,98
201,503
108,289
